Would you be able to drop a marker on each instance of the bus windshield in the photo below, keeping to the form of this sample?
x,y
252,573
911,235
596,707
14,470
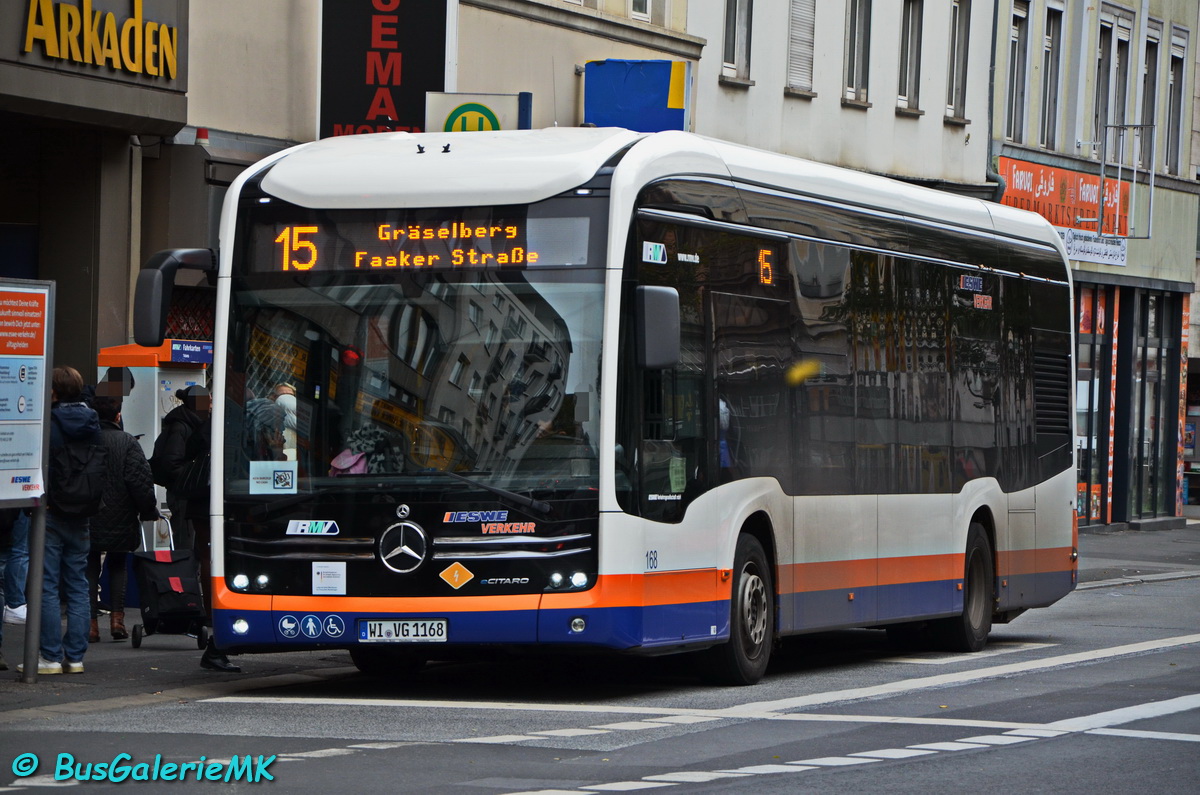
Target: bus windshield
x,y
339,380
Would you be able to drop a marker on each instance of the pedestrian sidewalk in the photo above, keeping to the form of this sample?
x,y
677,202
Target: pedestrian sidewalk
x,y
1132,556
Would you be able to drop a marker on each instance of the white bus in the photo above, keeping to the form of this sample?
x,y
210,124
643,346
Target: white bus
x,y
648,393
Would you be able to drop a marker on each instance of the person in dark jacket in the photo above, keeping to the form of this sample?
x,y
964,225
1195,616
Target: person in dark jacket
x,y
67,538
128,499
185,437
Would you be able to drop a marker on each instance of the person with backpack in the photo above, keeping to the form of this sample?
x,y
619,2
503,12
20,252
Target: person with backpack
x,y
74,492
180,463
128,499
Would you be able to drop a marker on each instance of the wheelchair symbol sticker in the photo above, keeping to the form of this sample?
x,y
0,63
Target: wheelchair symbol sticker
x,y
334,627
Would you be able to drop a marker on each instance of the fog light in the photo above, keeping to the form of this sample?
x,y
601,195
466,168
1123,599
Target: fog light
x,y
241,582
579,579
556,580
578,625
262,581
241,626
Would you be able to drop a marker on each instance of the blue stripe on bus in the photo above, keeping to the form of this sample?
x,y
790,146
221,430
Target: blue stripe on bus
x,y
655,625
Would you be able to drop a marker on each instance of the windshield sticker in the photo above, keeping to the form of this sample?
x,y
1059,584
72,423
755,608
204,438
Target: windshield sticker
x,y
677,470
312,527
273,477
328,579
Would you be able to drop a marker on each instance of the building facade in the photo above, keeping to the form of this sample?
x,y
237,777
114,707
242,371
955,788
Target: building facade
x,y
125,120
1093,131
894,88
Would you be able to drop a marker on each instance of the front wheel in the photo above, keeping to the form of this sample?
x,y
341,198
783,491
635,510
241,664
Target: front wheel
x,y
743,660
969,630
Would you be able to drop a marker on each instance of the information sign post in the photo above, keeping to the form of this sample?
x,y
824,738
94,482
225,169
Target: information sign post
x,y
26,362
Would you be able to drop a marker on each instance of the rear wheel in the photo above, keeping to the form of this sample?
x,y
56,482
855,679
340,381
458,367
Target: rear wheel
x,y
386,663
969,630
743,660
136,636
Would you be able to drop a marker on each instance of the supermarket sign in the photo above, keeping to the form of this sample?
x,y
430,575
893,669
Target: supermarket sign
x,y
1064,197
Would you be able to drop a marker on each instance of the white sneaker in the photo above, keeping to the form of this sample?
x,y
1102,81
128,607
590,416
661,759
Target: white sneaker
x,y
45,667
69,667
14,615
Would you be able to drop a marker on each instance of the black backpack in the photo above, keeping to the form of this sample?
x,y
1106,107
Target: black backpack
x,y
78,470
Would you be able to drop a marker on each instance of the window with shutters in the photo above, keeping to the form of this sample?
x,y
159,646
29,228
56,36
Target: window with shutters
x,y
1018,59
956,71
858,51
1051,69
908,90
1112,82
1175,93
802,23
736,49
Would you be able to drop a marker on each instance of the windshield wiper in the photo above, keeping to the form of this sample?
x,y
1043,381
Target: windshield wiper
x,y
520,499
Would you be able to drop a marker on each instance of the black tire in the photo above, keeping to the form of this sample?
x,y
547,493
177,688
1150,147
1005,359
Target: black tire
x,y
135,636
202,637
386,663
743,660
969,631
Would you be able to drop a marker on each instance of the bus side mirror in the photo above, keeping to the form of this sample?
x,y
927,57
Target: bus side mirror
x,y
657,318
152,293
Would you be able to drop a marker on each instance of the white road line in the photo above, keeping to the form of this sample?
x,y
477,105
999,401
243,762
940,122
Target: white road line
x,y
761,770
948,746
833,761
626,786
1116,717
569,732
695,776
1147,735
996,739
961,677
945,658
498,739
894,753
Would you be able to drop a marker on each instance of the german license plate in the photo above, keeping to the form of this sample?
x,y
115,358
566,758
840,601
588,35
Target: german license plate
x,y
387,630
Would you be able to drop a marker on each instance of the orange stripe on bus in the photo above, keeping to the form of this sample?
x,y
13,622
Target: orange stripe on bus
x,y
1035,561
615,590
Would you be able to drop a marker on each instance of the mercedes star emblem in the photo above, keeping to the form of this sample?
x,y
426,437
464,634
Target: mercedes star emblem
x,y
402,511
402,547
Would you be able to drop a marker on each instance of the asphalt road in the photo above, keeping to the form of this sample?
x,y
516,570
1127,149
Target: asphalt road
x,y
1099,693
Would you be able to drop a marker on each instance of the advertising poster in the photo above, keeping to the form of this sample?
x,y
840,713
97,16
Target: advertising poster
x,y
24,323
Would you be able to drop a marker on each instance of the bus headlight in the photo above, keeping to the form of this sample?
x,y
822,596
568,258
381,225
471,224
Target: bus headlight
x,y
579,579
556,580
241,626
262,581
241,582
578,625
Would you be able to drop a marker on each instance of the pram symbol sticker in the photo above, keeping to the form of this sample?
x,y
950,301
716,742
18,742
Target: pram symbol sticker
x,y
289,627
311,626
334,627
